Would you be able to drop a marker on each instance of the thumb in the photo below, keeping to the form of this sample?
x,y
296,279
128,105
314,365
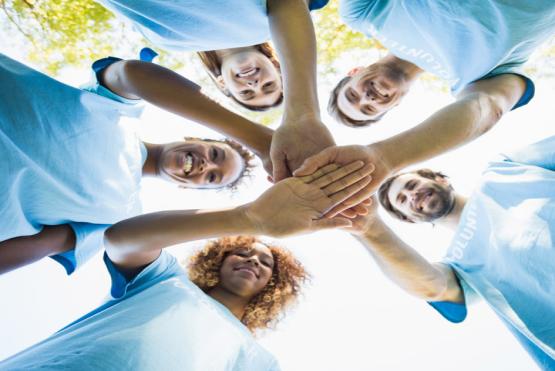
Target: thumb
x,y
337,222
315,162
280,170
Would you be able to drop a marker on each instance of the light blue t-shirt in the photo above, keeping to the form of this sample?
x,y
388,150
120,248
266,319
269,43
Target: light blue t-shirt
x,y
197,25
66,158
504,248
158,321
459,41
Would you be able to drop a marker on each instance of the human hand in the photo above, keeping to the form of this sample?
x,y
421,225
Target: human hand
x,y
341,155
292,143
296,205
363,224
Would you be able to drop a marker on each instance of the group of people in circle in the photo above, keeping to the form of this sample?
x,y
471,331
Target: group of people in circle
x,y
71,176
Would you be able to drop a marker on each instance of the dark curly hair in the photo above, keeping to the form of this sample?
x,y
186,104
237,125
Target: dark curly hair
x,y
268,306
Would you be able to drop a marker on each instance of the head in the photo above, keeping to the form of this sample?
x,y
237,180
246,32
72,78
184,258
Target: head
x,y
365,95
420,196
250,76
204,163
268,276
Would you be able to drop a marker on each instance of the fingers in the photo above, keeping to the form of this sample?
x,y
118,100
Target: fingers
x,y
281,171
355,199
341,182
337,222
350,196
313,163
319,173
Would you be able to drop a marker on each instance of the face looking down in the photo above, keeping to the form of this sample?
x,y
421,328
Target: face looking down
x,y
200,164
252,78
421,199
245,272
371,92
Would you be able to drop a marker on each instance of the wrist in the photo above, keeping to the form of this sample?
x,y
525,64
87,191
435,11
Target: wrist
x,y
388,154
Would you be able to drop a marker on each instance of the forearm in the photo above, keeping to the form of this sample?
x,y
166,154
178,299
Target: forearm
x,y
174,93
403,265
293,35
152,232
20,251
447,129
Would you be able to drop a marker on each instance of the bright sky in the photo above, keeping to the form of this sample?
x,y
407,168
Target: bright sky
x,y
351,317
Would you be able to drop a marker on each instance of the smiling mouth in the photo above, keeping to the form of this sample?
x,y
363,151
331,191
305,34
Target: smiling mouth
x,y
249,270
247,72
188,165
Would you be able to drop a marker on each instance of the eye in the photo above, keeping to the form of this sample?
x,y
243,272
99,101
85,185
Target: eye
x,y
211,178
401,199
245,93
411,185
268,85
213,153
243,254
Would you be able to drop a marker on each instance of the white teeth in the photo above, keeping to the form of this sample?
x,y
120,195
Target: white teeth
x,y
188,163
248,73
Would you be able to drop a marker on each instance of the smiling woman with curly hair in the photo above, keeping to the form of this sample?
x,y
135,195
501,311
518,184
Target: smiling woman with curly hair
x,y
265,309
162,317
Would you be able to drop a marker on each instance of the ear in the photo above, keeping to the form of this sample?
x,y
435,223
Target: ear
x,y
221,84
354,71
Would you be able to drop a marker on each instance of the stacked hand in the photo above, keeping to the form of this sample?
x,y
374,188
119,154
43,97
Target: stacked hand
x,y
296,205
374,163
294,143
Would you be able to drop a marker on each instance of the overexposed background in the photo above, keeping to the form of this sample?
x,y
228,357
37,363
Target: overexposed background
x,y
350,317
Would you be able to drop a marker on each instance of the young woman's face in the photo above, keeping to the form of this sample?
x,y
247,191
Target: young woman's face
x,y
245,272
251,78
200,164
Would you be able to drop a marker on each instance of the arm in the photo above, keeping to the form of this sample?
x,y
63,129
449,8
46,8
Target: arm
x,y
289,207
172,92
477,109
302,133
20,251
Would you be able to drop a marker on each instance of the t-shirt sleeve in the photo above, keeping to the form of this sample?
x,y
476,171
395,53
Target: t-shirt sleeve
x,y
456,312
164,267
353,12
128,107
541,154
516,69
88,241
317,4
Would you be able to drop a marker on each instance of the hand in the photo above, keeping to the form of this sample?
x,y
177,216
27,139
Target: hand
x,y
293,143
370,155
362,224
296,205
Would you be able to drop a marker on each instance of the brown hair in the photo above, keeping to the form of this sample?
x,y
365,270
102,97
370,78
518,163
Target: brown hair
x,y
268,306
213,66
339,116
383,191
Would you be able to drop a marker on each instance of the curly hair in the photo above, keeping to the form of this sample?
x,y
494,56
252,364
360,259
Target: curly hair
x,y
246,155
266,308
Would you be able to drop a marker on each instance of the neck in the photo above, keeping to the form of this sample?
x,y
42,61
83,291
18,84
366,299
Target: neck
x,y
452,219
236,304
153,151
411,70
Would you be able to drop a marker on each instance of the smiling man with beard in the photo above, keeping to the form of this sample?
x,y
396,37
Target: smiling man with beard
x,y
502,250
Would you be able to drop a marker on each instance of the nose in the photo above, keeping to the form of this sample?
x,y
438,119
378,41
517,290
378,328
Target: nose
x,y
206,165
252,83
253,260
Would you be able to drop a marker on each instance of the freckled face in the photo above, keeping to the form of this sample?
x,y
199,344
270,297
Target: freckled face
x,y
421,199
252,78
371,92
200,164
245,272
